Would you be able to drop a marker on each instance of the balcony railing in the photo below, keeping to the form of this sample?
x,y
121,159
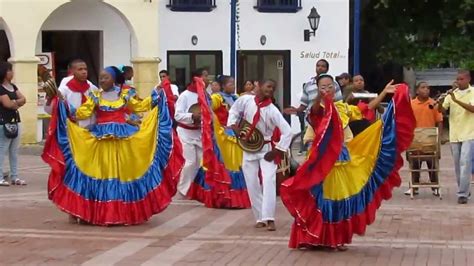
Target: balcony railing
x,y
278,6
192,5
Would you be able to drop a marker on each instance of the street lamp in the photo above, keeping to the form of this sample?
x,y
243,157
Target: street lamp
x,y
313,19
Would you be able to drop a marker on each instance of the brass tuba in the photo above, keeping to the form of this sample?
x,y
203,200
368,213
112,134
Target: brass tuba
x,y
255,141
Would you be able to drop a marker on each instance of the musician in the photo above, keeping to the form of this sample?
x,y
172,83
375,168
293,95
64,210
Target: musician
x,y
264,117
460,102
426,116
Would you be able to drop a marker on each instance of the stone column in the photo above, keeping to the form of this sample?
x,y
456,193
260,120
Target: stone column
x,y
26,79
145,74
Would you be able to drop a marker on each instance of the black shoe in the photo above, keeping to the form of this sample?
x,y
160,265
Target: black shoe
x,y
436,192
462,200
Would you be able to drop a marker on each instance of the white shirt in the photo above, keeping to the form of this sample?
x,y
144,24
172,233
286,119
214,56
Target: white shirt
x,y
74,100
270,117
181,115
175,90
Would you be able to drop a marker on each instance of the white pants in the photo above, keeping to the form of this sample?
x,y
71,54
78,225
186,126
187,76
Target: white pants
x,y
263,199
192,154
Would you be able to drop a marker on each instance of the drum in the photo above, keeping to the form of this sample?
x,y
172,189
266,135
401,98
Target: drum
x,y
425,141
283,171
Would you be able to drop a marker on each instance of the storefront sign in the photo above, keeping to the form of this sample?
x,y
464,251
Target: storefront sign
x,y
322,55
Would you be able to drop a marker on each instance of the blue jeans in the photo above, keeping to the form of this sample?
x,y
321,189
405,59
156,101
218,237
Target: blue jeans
x,y
11,146
462,155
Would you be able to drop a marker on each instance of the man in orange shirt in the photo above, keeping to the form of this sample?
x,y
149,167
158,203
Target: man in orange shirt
x,y
426,116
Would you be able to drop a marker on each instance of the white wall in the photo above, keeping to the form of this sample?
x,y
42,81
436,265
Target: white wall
x,y
284,31
211,28
118,45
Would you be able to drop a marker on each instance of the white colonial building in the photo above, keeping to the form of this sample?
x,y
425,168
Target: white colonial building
x,y
254,39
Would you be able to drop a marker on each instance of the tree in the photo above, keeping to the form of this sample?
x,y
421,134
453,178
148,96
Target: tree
x,y
421,33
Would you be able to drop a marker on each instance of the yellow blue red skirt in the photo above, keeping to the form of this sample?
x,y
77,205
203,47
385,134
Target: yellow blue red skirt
x,y
113,180
338,190
230,154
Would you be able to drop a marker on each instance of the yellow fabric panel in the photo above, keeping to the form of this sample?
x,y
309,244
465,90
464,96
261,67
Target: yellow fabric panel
x,y
110,158
140,105
355,112
231,152
348,179
86,109
216,101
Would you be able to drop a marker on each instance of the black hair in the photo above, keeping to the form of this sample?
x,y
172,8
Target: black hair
x,y
464,72
418,85
126,69
119,77
197,73
4,68
325,61
263,81
223,79
75,61
322,76
164,71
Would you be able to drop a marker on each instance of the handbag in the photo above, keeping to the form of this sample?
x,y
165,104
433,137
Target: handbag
x,y
10,129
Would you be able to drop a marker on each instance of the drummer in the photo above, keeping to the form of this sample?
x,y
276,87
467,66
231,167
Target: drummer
x,y
426,116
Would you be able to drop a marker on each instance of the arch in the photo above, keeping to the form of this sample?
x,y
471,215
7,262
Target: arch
x,y
9,38
73,16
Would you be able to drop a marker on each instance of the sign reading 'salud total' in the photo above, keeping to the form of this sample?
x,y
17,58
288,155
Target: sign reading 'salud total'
x,y
322,54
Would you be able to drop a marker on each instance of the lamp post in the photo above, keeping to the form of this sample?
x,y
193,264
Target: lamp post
x,y
313,19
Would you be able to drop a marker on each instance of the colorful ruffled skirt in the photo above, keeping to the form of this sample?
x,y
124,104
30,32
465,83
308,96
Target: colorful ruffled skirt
x,y
230,154
113,181
337,191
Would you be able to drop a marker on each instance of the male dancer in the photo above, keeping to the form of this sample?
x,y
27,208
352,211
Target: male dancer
x,y
265,117
189,132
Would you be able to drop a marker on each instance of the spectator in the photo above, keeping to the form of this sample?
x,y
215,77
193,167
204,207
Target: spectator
x,y
310,90
11,99
345,82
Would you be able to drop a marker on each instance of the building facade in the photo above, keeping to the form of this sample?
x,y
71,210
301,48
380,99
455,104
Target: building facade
x,y
102,32
254,39
249,39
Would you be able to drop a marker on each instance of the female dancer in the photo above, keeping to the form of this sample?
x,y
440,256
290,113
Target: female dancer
x,y
228,153
337,191
114,172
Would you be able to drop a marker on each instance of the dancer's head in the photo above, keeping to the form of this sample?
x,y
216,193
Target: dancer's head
x,y
266,88
248,86
215,87
201,73
79,69
227,84
326,85
109,77
358,82
127,72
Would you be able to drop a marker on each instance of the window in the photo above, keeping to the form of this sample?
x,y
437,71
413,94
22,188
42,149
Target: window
x,y
182,63
192,5
278,6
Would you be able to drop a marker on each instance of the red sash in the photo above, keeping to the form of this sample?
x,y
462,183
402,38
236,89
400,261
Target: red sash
x,y
80,87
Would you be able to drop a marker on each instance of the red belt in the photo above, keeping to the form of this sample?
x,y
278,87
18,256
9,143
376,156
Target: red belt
x,y
188,126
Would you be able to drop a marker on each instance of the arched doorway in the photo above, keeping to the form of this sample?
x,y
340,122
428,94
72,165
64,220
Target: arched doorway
x,y
4,42
90,30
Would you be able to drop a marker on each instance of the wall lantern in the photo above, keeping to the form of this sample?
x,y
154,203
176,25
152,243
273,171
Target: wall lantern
x,y
194,39
313,19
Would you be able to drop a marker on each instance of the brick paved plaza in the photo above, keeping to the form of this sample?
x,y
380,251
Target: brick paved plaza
x,y
424,231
